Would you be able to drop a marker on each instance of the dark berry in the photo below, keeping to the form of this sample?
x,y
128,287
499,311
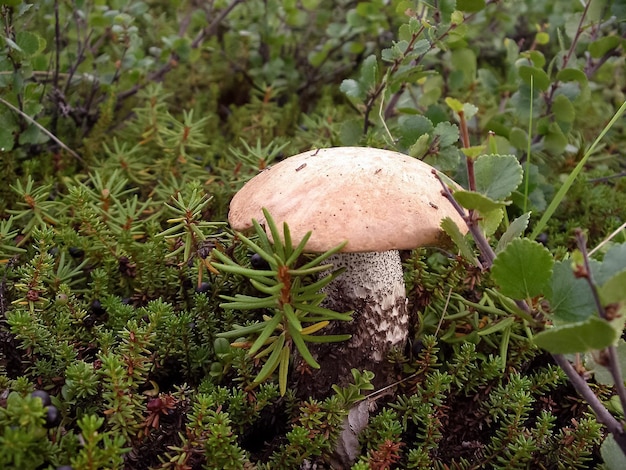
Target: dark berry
x,y
89,321
203,288
257,262
76,252
65,467
43,396
53,417
97,309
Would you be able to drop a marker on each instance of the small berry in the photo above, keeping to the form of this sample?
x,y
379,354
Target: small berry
x,y
257,262
97,309
43,396
203,288
65,467
61,299
52,417
76,252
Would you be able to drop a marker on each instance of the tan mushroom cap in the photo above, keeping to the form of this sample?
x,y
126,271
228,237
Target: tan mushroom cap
x,y
377,200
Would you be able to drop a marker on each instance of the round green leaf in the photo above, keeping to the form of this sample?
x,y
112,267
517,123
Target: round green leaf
x,y
570,298
352,88
523,269
539,78
603,45
572,75
563,109
590,335
497,176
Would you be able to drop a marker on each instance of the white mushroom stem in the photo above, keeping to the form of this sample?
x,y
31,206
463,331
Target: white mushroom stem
x,y
372,286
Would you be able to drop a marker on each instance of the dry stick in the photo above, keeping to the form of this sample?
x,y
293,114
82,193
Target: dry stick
x,y
42,129
582,387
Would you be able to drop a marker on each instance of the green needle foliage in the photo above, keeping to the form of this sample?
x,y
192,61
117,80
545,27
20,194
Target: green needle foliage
x,y
126,127
292,296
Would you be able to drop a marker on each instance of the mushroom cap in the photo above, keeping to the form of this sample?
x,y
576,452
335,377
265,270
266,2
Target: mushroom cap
x,y
376,200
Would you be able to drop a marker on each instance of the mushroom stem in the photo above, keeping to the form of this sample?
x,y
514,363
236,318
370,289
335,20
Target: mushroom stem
x,y
372,286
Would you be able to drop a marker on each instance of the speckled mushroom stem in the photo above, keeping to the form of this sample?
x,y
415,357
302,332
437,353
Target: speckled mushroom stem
x,y
372,286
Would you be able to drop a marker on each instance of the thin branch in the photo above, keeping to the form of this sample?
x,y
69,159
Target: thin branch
x,y
42,129
481,242
602,414
588,276
613,364
607,239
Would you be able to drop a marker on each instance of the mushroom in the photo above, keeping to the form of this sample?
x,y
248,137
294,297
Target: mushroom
x,y
378,201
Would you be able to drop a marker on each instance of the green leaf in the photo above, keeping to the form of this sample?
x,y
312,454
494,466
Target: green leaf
x,y
242,331
515,230
447,132
490,221
497,176
570,298
351,131
454,104
601,374
563,109
600,47
612,454
476,201
613,263
470,5
591,335
352,89
291,317
412,128
268,330
369,73
325,338
613,291
453,231
523,269
272,362
283,370
302,348
554,140
30,43
542,38
540,79
497,326
572,75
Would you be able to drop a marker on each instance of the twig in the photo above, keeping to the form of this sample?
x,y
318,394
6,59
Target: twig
x,y
613,364
607,239
42,129
602,414
483,245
